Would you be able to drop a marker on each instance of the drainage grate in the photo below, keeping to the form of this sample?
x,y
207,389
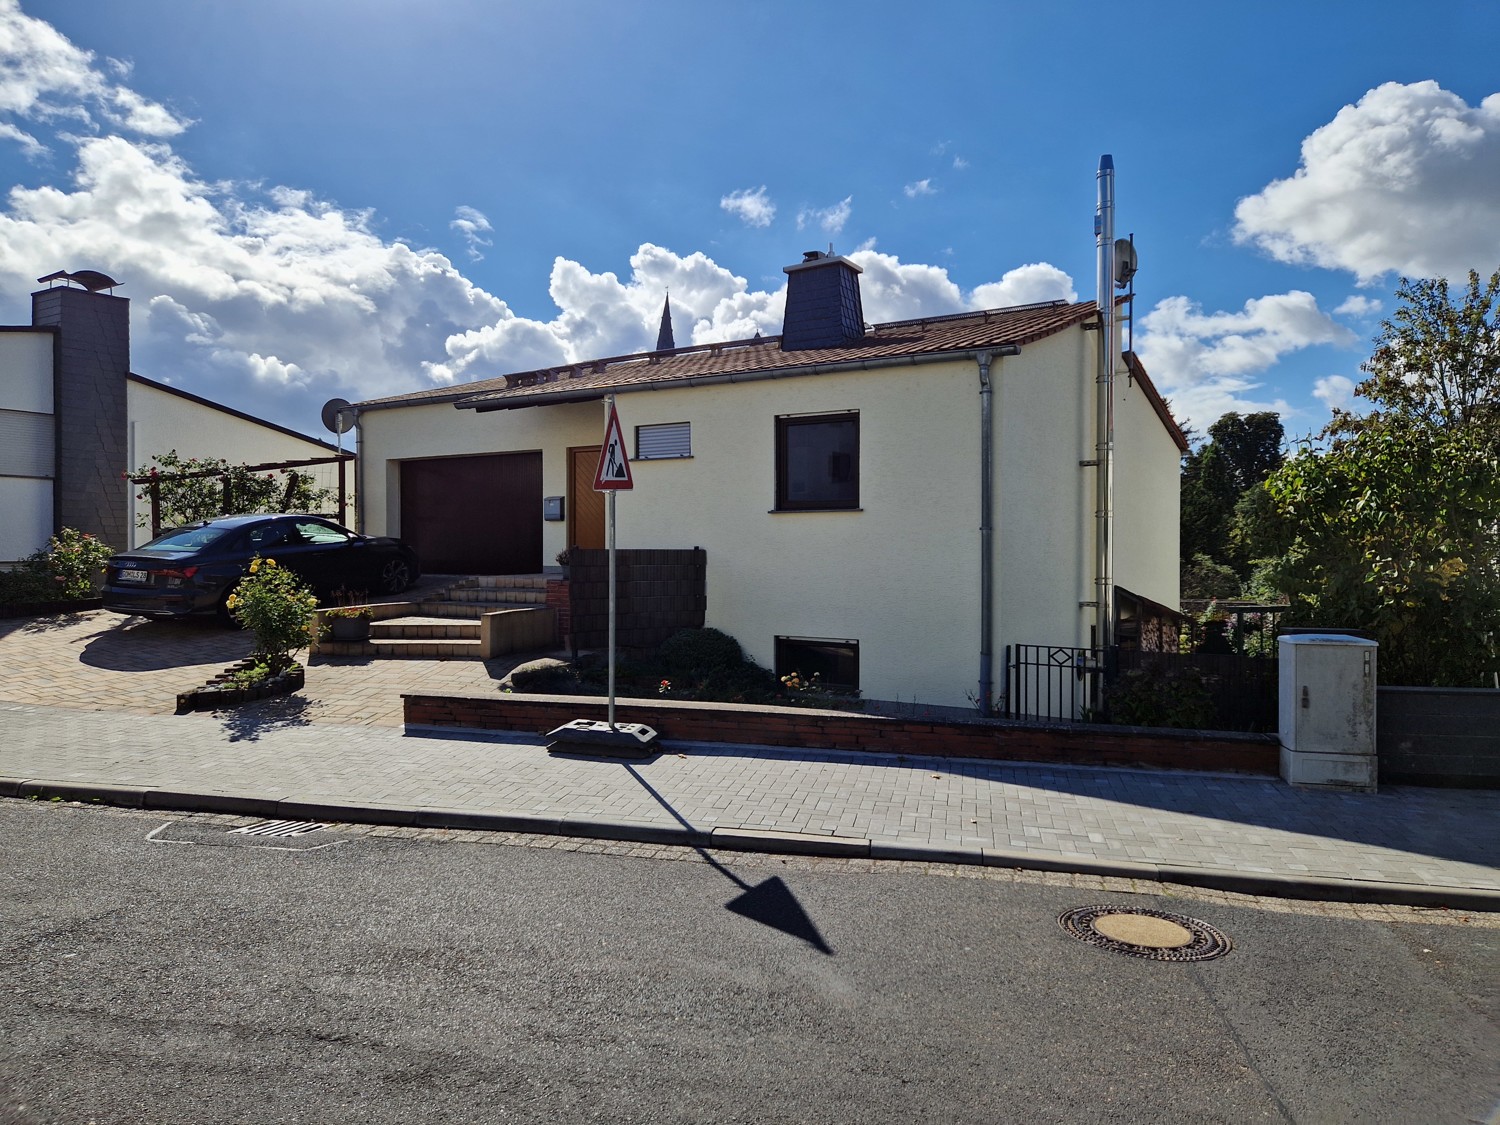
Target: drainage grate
x,y
1154,934
279,829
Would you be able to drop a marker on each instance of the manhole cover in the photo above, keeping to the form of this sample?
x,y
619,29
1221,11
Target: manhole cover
x,y
1153,934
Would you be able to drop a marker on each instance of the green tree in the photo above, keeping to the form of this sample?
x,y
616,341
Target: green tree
x,y
1394,525
1240,452
202,488
1437,362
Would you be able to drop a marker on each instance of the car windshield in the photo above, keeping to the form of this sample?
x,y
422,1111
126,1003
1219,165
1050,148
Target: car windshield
x,y
189,538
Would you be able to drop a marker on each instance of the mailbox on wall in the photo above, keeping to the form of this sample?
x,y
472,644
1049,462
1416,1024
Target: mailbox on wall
x,y
552,508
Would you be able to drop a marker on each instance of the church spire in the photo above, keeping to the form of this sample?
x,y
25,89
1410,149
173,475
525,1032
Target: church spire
x,y
664,341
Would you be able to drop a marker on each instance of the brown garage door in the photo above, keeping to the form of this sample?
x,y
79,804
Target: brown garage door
x,y
474,515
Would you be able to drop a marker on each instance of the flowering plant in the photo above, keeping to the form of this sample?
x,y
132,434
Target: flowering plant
x,y
75,560
274,603
795,681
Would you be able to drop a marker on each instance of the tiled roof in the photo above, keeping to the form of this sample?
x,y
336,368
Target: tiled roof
x,y
892,343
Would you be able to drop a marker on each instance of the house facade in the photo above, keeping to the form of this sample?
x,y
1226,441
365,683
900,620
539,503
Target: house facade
x,y
74,420
888,506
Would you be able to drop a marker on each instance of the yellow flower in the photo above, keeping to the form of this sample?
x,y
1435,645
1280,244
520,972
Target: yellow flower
x,y
254,565
270,562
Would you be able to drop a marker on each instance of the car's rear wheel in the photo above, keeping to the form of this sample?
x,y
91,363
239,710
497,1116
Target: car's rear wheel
x,y
395,576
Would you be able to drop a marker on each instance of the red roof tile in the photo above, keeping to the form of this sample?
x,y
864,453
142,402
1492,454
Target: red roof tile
x,y
885,344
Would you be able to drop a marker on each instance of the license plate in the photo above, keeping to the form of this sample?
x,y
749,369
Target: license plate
x,y
133,576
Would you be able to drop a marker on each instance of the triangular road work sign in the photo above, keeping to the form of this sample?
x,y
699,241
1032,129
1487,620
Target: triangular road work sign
x,y
613,473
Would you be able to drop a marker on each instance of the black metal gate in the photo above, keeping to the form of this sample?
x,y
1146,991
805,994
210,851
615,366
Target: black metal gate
x,y
1061,683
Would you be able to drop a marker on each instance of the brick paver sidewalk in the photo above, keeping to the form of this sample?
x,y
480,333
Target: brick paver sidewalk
x,y
994,812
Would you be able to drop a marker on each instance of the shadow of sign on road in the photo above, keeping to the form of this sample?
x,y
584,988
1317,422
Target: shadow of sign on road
x,y
771,903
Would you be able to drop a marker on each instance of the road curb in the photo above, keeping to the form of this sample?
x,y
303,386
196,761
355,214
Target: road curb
x,y
1265,884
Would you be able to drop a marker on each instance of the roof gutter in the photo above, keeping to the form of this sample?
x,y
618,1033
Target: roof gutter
x,y
593,394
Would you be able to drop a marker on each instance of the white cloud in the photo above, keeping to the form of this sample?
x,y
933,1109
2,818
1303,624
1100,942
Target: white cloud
x,y
1358,306
959,163
752,206
1024,285
29,144
473,225
921,187
830,219
271,300
1403,180
1207,363
1335,392
43,77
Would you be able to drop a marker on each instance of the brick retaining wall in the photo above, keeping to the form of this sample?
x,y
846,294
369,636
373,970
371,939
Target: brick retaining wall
x,y
805,728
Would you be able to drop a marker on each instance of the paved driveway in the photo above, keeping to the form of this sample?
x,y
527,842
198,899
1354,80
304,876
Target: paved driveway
x,y
103,661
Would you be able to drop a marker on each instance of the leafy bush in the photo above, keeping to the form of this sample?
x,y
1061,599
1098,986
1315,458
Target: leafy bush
x,y
66,569
275,604
1160,696
701,651
202,488
25,584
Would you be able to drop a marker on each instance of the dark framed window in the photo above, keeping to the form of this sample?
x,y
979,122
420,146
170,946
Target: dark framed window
x,y
817,461
835,663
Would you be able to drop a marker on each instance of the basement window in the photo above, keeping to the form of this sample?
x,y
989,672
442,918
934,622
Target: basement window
x,y
835,663
817,462
664,442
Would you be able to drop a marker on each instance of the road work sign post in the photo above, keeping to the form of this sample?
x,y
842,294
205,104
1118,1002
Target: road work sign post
x,y
581,735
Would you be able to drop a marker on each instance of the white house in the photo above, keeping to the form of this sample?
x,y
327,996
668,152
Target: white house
x,y
893,504
74,420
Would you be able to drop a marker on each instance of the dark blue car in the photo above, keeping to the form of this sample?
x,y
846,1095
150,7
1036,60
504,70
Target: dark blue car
x,y
194,569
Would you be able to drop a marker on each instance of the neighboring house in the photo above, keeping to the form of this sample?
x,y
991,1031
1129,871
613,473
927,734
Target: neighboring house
x,y
834,475
74,421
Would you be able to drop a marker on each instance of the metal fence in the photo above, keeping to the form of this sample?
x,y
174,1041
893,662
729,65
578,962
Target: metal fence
x,y
1052,683
1060,683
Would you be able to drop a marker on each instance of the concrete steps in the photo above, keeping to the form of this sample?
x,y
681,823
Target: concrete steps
x,y
474,619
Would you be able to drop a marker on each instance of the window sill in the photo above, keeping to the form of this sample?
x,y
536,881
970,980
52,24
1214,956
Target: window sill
x,y
808,511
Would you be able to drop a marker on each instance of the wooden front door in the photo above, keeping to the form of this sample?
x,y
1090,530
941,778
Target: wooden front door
x,y
585,506
474,515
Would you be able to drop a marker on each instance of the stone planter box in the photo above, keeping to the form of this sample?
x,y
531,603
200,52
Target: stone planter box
x,y
222,691
348,628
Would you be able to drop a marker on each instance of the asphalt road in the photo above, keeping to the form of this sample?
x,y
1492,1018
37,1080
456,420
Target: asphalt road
x,y
183,979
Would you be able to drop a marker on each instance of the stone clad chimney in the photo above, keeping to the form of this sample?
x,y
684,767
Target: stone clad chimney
x,y
89,379
823,308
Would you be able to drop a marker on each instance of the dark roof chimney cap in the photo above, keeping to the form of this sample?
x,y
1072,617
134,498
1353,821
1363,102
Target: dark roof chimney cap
x,y
813,255
92,280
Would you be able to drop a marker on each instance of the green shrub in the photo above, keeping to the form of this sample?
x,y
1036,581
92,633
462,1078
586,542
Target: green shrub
x,y
273,602
68,568
1160,696
701,651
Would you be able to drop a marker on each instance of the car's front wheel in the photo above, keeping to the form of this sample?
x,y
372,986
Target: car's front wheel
x,y
395,576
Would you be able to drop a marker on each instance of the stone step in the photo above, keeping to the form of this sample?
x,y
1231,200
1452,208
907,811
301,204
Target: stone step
x,y
431,648
499,595
506,582
425,628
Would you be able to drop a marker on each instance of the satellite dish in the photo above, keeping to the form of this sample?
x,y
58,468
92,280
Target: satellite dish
x,y
1125,262
337,416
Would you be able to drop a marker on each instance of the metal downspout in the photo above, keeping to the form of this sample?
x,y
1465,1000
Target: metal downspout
x,y
986,535
359,473
1104,422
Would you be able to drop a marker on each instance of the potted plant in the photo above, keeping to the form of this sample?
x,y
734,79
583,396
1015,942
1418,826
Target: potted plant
x,y
564,558
349,623
348,620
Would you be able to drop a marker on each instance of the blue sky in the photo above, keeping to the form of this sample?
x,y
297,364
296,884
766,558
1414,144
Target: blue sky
x,y
369,197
